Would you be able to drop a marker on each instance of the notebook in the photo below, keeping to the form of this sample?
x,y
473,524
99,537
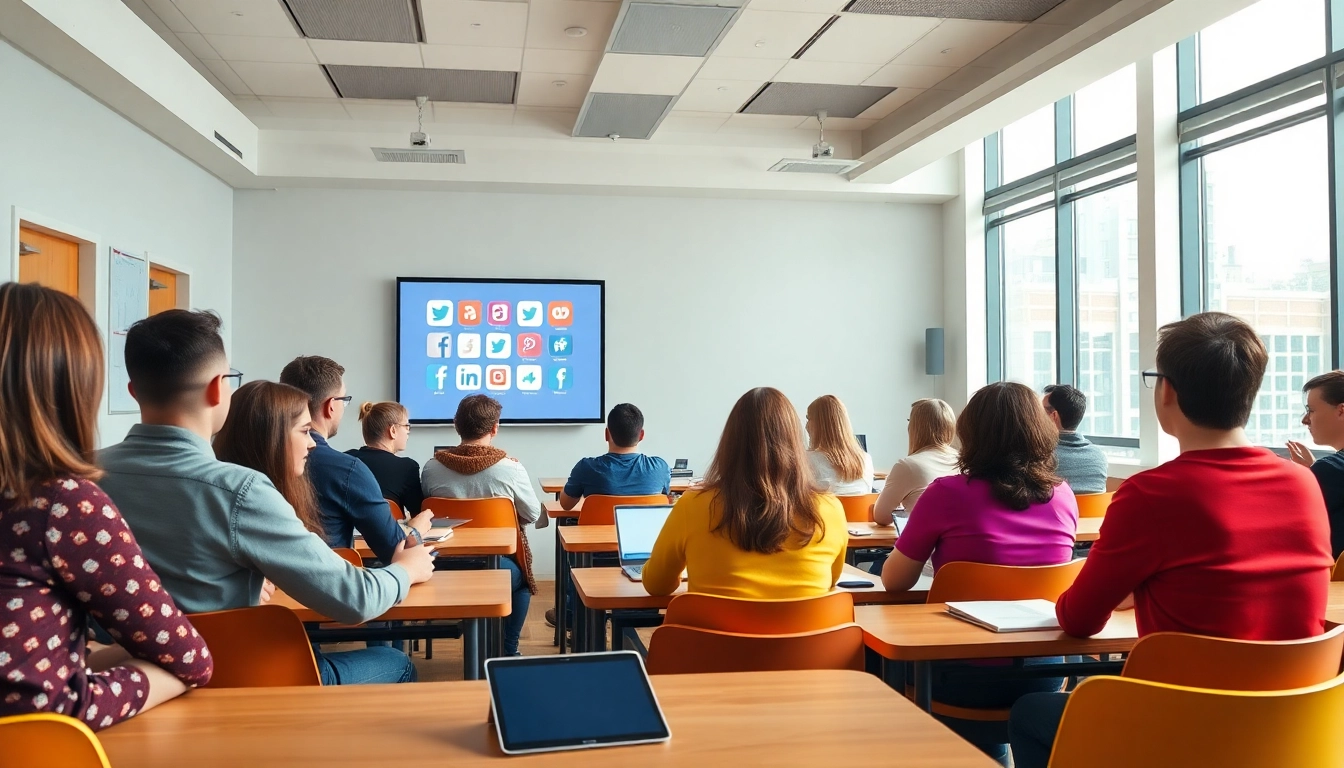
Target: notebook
x,y
1007,615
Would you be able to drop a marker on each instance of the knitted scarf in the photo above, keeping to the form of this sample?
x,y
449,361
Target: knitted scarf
x,y
470,459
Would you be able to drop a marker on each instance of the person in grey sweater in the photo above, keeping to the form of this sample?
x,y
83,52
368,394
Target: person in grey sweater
x,y
215,532
1081,464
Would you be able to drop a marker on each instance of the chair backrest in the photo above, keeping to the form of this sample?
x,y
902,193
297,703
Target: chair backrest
x,y
349,555
397,512
1338,573
495,512
858,509
46,738
981,581
761,617
1237,665
677,650
1114,721
600,509
259,647
1093,504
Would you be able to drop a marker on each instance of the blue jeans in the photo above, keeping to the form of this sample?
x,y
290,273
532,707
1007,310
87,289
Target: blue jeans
x,y
990,737
522,600
365,667
1032,727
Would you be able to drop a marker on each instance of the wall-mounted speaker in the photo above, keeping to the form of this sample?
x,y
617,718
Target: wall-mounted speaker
x,y
933,351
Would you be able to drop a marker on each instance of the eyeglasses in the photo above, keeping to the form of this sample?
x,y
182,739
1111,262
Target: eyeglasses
x,y
234,373
345,399
1150,378
407,426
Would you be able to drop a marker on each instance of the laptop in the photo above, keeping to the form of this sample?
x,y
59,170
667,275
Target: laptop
x,y
637,528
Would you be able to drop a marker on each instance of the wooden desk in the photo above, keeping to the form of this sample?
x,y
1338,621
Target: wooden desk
x,y
467,595
781,718
1089,529
465,542
557,484
1334,606
602,538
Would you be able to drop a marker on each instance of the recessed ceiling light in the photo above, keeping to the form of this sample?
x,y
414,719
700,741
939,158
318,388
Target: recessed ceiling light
x,y
559,83
760,43
576,31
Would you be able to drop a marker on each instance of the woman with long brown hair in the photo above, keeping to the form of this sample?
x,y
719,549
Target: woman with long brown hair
x,y
68,554
759,527
839,465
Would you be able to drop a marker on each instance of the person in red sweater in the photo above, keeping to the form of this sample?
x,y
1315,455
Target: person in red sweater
x,y
1226,540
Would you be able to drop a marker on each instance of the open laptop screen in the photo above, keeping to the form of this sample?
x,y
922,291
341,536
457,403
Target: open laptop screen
x,y
637,529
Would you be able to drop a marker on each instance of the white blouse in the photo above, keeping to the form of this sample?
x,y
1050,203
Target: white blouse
x,y
831,483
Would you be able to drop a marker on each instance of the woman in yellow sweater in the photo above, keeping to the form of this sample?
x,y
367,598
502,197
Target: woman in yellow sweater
x,y
758,527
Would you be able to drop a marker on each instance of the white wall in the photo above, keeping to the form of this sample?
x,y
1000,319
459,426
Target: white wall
x,y
71,162
706,298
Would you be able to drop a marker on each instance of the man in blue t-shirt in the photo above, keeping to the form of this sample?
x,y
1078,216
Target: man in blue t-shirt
x,y
622,470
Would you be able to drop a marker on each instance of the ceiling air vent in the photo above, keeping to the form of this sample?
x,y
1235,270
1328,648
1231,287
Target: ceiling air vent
x,y
815,166
437,156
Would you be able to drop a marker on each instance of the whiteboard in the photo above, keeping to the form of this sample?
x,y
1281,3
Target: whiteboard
x,y
128,302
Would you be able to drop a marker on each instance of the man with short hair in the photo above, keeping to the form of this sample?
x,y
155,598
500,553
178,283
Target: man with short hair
x,y
347,492
216,532
1226,540
622,470
1081,464
1324,419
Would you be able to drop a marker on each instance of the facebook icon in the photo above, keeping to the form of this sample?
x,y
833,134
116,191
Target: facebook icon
x,y
436,376
439,345
562,346
560,379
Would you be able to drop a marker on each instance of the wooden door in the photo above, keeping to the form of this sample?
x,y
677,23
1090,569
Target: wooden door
x,y
162,290
54,265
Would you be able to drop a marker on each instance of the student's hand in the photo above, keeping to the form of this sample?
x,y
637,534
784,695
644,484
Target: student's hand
x,y
418,560
267,589
423,522
1300,454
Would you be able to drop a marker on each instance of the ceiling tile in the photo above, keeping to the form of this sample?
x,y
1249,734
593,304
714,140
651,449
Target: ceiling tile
x,y
277,50
755,123
868,39
560,120
910,76
253,18
198,46
729,68
474,22
838,73
1001,10
957,42
839,124
226,75
170,15
633,73
296,80
456,113
472,57
251,106
539,89
204,71
360,52
693,122
800,6
307,109
571,62
890,103
704,95
779,34
548,19
383,110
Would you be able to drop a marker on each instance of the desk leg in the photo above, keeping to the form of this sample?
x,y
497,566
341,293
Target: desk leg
x,y
597,631
471,649
497,638
582,620
561,587
924,685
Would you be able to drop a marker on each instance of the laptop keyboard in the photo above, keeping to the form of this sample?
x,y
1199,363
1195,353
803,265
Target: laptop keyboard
x,y
635,570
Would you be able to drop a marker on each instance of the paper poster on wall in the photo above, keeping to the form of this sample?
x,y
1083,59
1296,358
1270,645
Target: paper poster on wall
x,y
128,301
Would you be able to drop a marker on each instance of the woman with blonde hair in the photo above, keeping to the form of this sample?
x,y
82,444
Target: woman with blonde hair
x,y
387,427
759,527
932,428
839,465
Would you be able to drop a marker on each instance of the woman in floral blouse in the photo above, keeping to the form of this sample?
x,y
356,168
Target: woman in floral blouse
x,y
66,555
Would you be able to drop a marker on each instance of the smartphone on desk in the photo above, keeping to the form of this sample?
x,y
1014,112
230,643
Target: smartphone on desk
x,y
854,584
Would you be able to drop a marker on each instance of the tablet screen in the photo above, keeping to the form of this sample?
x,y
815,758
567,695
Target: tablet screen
x,y
608,700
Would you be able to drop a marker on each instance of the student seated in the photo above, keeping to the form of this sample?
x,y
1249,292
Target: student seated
x,y
1007,507
622,470
1081,464
1225,540
758,527
216,532
1324,419
387,427
932,429
475,469
347,492
67,553
839,465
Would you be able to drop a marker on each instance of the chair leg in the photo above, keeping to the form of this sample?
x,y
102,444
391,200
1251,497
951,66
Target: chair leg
x,y
429,648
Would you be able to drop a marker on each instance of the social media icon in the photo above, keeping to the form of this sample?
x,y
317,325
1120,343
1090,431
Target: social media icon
x,y
560,378
468,345
529,345
468,376
496,377
499,312
439,313
436,377
560,312
562,346
439,345
498,345
469,312
529,378
529,314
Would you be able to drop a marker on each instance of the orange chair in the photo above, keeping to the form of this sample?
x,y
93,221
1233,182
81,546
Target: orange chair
x,y
677,650
601,510
397,512
1196,661
981,581
46,738
1338,573
761,617
349,555
494,512
858,509
260,647
1093,504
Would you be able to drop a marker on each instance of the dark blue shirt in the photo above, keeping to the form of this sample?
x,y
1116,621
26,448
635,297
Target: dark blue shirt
x,y
619,474
1329,473
351,501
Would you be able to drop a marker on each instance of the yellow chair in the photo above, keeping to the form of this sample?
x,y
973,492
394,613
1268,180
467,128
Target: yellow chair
x,y
981,581
46,738
1196,661
600,509
1115,722
349,555
1093,504
761,617
677,650
260,647
1338,573
859,508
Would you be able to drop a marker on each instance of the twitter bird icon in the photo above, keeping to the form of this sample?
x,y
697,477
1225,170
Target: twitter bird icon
x,y
439,313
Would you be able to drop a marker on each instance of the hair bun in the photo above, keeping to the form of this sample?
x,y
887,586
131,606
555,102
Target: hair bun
x,y
364,410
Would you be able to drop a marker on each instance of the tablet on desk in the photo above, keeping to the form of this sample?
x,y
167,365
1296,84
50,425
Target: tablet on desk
x,y
612,702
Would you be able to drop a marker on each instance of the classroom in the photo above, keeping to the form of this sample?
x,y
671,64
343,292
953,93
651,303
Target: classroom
x,y
803,382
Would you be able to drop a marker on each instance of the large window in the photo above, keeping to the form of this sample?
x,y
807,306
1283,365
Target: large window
x,y
1261,41
1029,309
